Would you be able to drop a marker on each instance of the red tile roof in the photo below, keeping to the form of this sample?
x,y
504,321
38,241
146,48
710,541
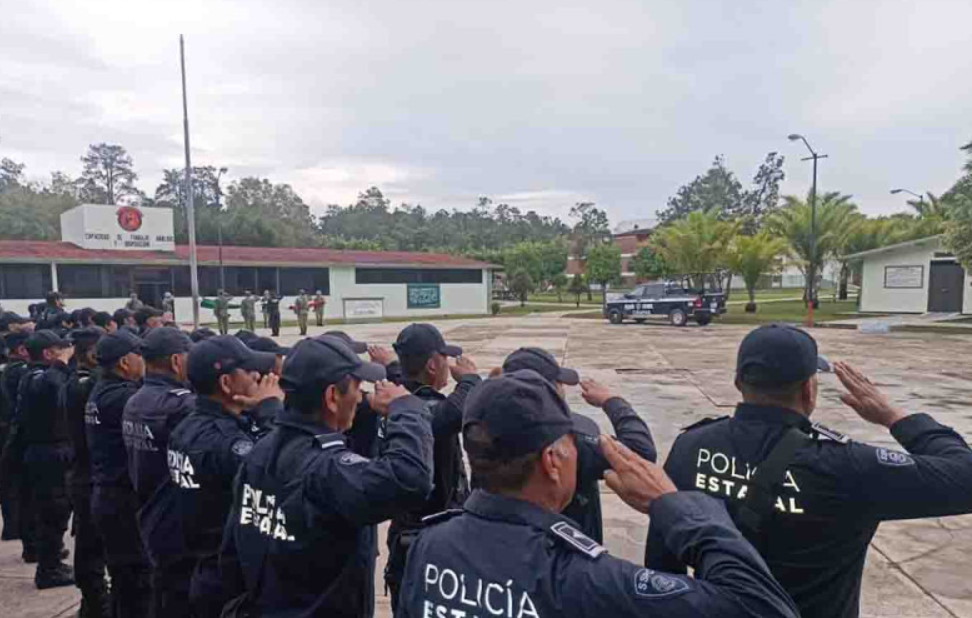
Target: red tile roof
x,y
43,251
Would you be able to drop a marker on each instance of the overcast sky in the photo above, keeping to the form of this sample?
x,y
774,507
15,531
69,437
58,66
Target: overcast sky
x,y
539,104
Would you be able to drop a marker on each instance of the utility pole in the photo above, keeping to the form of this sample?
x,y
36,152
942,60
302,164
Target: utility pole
x,y
190,210
812,262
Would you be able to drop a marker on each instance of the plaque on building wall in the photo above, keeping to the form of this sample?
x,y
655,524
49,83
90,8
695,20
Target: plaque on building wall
x,y
904,277
424,296
364,308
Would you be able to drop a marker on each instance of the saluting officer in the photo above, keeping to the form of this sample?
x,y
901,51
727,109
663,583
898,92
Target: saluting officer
x,y
511,553
807,497
207,447
424,356
47,453
89,547
301,536
630,429
162,402
222,311
114,504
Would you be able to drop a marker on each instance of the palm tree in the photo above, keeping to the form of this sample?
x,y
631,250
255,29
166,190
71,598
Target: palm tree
x,y
836,217
753,256
696,245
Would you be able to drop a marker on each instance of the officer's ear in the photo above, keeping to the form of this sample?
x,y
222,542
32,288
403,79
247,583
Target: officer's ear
x,y
808,394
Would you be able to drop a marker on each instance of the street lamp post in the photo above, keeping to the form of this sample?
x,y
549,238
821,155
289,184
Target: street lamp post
x,y
219,228
812,266
921,198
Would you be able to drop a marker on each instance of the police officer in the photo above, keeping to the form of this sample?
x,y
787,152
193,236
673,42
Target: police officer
x,y
266,344
147,318
264,309
114,503
511,553
630,429
206,449
273,311
124,318
47,452
89,547
816,498
133,304
15,493
162,402
201,333
302,309
309,503
319,304
248,309
105,320
424,356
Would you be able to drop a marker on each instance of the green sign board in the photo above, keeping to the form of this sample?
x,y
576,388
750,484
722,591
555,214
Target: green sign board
x,y
424,296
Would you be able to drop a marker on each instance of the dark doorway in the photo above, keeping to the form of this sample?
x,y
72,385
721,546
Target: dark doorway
x,y
946,287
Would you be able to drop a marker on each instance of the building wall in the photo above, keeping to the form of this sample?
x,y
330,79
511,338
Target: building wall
x,y
875,297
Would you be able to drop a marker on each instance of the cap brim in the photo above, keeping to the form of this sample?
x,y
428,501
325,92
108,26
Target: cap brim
x,y
369,372
568,377
823,365
260,361
451,350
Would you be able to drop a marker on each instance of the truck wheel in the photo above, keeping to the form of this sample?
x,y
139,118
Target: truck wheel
x,y
615,317
677,317
703,320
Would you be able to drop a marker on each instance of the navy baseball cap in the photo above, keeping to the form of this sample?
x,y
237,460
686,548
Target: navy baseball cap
x,y
543,363
777,355
358,347
246,336
44,339
112,347
422,339
223,354
266,344
165,341
201,333
9,317
102,318
322,361
88,333
521,412
15,340
121,315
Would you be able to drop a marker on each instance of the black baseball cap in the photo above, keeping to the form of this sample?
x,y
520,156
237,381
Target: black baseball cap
x,y
102,318
521,412
543,363
113,346
777,355
15,340
7,318
422,339
165,341
323,361
266,344
201,333
246,336
86,334
142,315
358,347
121,315
44,339
220,355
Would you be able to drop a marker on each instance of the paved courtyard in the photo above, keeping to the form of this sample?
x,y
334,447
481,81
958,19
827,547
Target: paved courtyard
x,y
676,376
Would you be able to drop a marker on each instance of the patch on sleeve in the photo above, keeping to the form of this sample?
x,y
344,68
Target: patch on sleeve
x,y
242,447
349,459
577,539
180,392
826,432
893,458
654,585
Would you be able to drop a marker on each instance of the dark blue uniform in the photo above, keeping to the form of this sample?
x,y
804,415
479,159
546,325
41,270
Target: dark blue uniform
x,y
509,558
834,495
114,504
150,416
204,454
15,493
311,503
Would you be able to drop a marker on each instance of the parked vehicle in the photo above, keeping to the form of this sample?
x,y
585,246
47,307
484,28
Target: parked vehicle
x,y
670,299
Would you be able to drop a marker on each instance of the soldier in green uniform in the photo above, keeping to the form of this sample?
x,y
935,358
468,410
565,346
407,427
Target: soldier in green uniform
x,y
248,308
302,309
319,302
222,311
168,303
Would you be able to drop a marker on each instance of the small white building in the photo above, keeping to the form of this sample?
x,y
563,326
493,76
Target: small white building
x,y
108,252
919,276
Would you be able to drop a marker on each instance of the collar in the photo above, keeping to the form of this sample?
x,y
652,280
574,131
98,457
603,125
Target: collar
x,y
772,415
422,390
211,407
511,510
110,376
163,379
300,422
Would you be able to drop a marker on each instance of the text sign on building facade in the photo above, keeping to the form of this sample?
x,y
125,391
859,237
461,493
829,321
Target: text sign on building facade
x,y
904,277
424,296
121,228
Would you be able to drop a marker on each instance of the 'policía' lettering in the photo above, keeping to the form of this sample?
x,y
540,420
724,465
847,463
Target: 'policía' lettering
x,y
723,475
458,597
181,470
259,509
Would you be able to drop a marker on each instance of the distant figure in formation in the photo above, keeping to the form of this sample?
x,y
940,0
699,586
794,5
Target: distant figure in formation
x,y
273,311
168,304
264,306
319,303
302,309
222,311
248,307
133,304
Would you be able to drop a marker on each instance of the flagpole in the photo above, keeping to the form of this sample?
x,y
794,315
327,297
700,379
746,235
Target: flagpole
x,y
190,209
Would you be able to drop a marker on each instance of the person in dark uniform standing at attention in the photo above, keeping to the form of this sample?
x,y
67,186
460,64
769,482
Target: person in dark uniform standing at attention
x,y
264,308
15,493
424,356
809,498
630,429
318,556
273,311
89,547
208,446
47,452
510,552
162,402
113,501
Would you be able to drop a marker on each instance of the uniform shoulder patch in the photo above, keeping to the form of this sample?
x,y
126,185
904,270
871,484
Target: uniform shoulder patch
x,y
823,431
897,459
180,392
655,585
438,518
704,422
327,440
351,458
242,447
577,539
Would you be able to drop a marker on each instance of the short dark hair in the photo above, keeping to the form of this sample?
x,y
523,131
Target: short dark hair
x,y
493,475
307,400
414,364
160,364
120,316
102,318
83,347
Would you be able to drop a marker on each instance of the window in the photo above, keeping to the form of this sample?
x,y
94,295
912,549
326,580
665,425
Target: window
x,y
417,275
293,280
266,280
24,281
119,281
239,279
82,281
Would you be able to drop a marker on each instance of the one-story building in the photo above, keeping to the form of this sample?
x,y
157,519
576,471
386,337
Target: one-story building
x,y
919,276
108,252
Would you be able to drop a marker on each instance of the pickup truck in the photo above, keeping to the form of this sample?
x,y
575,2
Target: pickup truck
x,y
673,301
